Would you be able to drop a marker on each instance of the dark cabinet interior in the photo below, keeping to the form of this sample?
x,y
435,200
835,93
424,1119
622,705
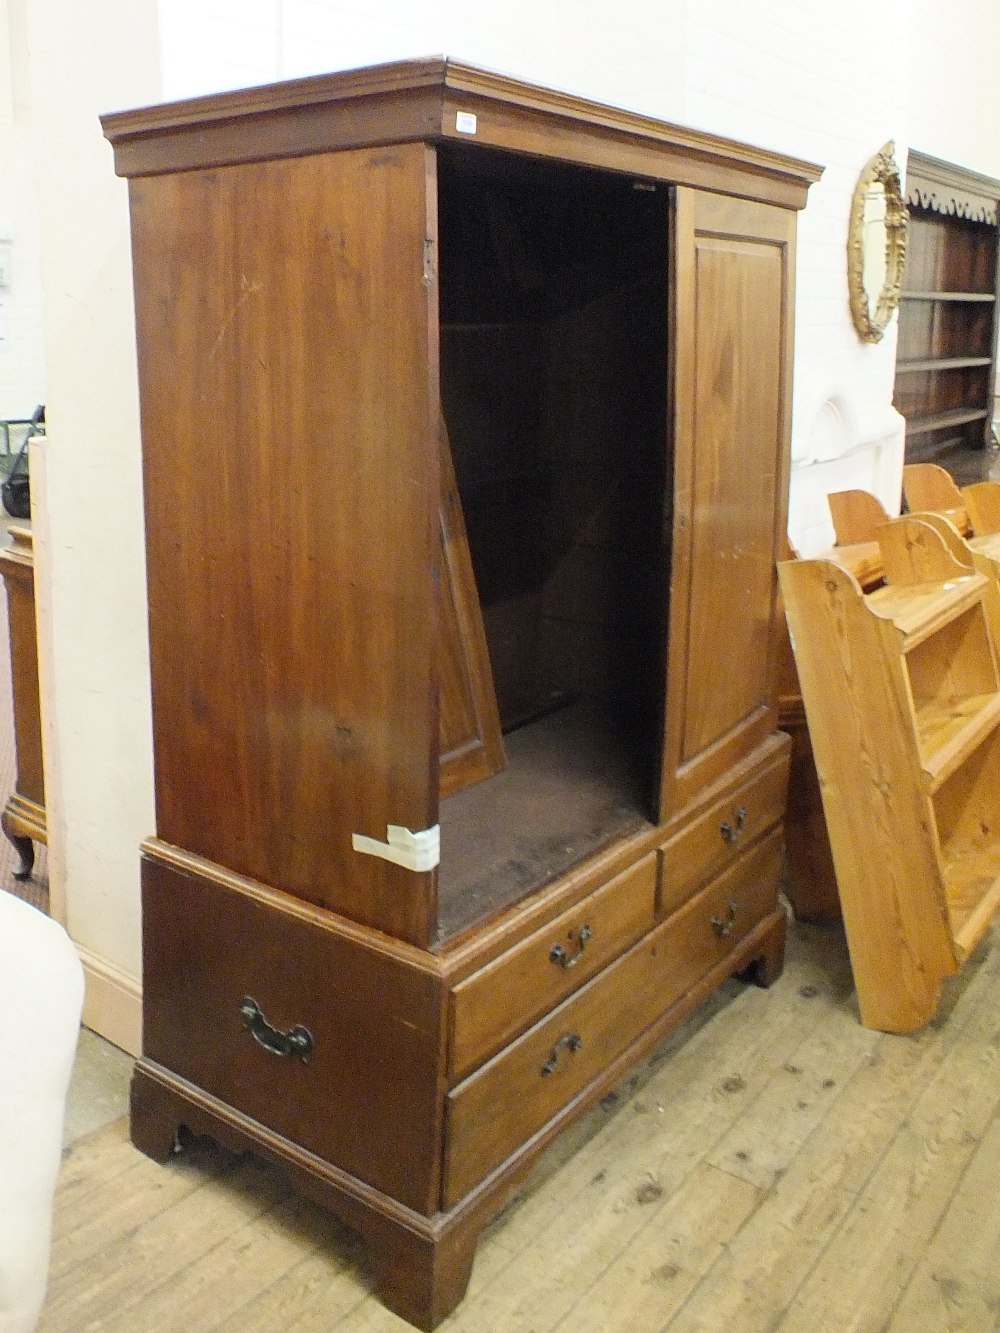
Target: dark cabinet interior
x,y
553,365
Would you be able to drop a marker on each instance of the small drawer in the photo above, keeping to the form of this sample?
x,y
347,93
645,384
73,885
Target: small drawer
x,y
509,1099
506,996
713,840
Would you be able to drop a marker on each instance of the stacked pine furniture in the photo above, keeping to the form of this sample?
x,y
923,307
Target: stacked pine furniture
x,y
902,692
399,981
930,489
857,517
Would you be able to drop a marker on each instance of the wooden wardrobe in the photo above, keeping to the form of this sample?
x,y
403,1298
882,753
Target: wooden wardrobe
x,y
465,411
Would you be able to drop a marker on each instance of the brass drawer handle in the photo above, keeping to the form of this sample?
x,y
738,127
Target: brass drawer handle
x,y
723,927
571,1041
557,954
734,831
295,1044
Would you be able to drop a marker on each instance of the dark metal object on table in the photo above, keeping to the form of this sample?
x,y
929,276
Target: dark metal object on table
x,y
15,490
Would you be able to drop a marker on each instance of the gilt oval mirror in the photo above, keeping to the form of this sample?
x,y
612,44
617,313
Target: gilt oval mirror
x,y
876,245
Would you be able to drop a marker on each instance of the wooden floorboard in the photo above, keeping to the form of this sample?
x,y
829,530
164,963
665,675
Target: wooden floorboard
x,y
773,1166
954,1283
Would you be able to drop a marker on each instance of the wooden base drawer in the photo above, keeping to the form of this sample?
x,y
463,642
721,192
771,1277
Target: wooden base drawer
x,y
713,840
506,1101
363,1093
505,997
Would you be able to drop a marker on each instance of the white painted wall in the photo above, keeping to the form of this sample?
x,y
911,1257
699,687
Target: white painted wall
x,y
953,73
86,489
629,54
794,77
955,108
22,362
787,76
791,76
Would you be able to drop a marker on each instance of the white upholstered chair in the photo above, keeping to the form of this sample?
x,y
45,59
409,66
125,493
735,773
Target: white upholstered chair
x,y
41,997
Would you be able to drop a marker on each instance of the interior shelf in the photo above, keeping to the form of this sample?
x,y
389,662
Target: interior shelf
x,y
942,420
972,889
942,363
953,682
948,296
966,812
948,733
570,787
919,610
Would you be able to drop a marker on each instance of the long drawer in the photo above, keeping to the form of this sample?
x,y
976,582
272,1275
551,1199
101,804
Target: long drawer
x,y
333,1045
712,841
506,1101
506,996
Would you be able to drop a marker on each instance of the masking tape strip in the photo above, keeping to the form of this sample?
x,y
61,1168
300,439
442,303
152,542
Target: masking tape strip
x,y
414,851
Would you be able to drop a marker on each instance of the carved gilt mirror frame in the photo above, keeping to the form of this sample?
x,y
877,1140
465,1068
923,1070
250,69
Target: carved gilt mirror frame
x,y
874,265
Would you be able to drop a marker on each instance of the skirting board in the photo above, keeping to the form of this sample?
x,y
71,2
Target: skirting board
x,y
112,1005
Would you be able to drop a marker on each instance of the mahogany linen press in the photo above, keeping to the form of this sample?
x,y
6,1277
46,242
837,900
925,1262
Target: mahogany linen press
x,y
465,420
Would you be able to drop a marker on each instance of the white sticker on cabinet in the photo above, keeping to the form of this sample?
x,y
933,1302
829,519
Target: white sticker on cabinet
x,y
465,122
414,851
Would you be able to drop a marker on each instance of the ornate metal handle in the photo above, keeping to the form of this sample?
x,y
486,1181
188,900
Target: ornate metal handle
x,y
722,928
557,954
731,832
571,1042
295,1044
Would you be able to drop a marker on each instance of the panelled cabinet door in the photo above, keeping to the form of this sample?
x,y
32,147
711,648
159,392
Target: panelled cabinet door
x,y
290,422
732,329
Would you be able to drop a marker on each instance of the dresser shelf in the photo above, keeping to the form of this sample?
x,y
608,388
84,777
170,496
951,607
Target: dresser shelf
x,y
946,346
942,363
969,298
947,420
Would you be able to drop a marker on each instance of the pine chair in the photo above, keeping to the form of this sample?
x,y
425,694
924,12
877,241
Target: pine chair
x,y
982,503
928,488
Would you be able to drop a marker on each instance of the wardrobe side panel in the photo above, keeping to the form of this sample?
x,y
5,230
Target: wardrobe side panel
x,y
288,379
732,336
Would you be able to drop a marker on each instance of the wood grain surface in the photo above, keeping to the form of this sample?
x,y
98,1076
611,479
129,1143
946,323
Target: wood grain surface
x,y
284,334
